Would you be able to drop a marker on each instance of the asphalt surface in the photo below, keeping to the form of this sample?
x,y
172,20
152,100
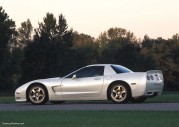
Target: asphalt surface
x,y
92,106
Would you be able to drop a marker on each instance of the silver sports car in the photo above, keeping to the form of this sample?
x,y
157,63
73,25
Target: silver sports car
x,y
94,82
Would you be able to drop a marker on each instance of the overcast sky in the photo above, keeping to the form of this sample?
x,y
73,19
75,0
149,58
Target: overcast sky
x,y
157,18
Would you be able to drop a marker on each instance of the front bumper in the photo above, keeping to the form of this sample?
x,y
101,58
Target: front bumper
x,y
20,97
20,94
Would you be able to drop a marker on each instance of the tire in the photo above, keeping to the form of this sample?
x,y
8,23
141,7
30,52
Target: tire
x,y
119,93
138,99
57,102
37,94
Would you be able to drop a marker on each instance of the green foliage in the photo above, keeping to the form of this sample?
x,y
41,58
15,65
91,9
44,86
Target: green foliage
x,y
7,31
82,39
51,50
24,36
120,46
86,50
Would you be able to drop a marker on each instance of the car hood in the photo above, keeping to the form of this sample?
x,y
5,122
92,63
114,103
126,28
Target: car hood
x,y
46,79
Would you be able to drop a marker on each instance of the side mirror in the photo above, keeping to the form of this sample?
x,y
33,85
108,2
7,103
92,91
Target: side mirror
x,y
74,76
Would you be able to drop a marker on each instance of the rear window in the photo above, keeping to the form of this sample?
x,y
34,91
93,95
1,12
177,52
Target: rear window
x,y
120,69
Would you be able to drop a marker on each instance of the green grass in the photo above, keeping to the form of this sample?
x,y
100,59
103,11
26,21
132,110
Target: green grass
x,y
8,99
90,118
164,98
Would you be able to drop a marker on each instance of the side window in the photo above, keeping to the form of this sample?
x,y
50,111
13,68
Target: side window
x,y
99,71
89,72
86,72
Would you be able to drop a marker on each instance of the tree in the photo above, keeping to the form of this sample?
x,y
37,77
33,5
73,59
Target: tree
x,y
118,35
147,42
64,35
175,37
51,50
119,46
86,55
7,31
82,39
85,49
47,27
24,34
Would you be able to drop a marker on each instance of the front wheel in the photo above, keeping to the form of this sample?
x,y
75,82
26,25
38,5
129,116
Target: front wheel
x,y
37,94
119,93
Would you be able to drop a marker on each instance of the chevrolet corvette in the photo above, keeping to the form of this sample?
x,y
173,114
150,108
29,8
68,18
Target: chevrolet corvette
x,y
94,82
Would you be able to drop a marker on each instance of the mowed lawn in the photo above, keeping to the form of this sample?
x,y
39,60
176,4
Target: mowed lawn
x,y
90,118
166,97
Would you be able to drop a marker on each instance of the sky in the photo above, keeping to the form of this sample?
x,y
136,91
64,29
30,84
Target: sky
x,y
156,18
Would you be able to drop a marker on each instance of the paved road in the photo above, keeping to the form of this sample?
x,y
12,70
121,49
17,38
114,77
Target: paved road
x,y
92,106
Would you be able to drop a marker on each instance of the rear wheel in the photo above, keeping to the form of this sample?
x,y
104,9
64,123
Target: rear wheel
x,y
119,93
57,102
37,94
138,99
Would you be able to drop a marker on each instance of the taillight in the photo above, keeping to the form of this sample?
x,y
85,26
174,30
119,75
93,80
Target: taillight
x,y
148,77
157,77
152,77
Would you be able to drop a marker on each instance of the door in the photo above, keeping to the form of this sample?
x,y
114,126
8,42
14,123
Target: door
x,y
86,82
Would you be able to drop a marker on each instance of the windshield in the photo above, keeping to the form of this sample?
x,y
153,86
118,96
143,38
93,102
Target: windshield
x,y
120,69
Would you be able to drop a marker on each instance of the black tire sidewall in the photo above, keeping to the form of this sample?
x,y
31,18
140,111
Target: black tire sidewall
x,y
45,90
128,96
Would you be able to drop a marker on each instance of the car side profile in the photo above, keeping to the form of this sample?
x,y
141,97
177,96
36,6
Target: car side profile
x,y
94,82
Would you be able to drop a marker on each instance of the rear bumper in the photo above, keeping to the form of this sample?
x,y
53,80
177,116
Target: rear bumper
x,y
153,89
154,83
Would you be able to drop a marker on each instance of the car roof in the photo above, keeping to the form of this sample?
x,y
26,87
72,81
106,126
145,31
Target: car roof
x,y
102,65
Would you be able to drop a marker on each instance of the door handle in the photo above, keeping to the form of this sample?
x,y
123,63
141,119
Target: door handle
x,y
97,78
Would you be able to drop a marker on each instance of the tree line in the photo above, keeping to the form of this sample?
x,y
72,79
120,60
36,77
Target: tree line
x,y
53,50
